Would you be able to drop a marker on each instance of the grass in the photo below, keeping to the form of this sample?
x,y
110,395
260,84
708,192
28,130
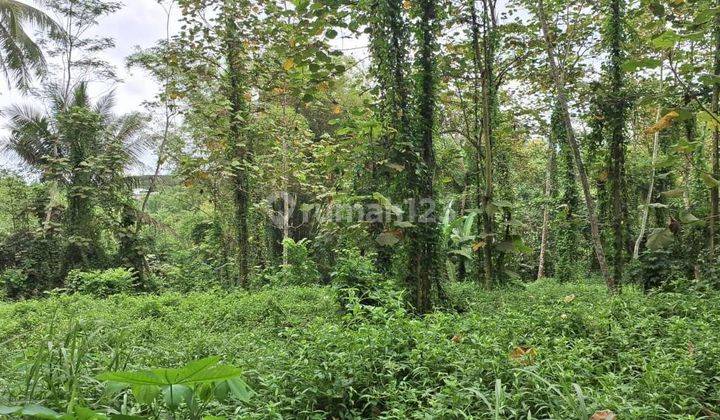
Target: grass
x,y
545,350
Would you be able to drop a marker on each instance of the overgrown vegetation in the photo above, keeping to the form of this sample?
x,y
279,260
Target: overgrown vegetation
x,y
370,209
553,350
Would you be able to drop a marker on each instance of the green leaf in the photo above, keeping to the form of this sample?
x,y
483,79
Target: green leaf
x,y
387,239
146,394
403,224
199,371
687,217
83,413
632,65
464,252
174,395
666,40
675,193
331,33
709,180
239,389
5,410
39,412
659,238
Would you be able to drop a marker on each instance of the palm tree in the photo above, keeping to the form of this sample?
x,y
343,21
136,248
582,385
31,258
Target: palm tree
x,y
85,148
20,56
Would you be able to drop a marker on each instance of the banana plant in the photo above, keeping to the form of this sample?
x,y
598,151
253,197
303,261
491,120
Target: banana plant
x,y
459,238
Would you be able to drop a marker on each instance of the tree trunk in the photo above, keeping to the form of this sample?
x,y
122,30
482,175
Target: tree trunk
x,y
559,80
238,147
423,237
489,97
648,200
616,118
388,49
714,200
549,176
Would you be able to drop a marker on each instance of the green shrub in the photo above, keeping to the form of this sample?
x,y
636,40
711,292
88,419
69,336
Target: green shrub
x,y
300,270
101,283
14,283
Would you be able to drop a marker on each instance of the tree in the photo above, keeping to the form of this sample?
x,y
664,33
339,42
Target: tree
x,y
715,150
83,147
424,236
20,56
561,97
615,114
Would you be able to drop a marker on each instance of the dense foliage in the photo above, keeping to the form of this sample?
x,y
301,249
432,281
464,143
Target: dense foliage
x,y
378,208
547,350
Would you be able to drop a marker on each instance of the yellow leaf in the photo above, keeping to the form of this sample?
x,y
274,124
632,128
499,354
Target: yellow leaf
x,y
662,123
406,4
478,245
523,355
603,415
569,298
289,64
336,109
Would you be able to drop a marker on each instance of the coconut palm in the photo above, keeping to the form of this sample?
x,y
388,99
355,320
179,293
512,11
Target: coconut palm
x,y
84,147
20,56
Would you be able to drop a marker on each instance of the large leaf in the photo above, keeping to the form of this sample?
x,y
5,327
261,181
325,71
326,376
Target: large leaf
x,y
146,394
709,180
174,395
199,371
666,40
632,65
659,238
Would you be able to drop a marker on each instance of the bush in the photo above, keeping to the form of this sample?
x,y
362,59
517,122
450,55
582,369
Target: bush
x,y
300,270
355,278
14,283
101,283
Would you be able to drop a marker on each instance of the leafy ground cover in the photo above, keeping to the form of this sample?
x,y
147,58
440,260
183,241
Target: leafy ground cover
x,y
544,350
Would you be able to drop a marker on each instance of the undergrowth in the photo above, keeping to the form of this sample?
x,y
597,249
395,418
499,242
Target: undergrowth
x,y
545,350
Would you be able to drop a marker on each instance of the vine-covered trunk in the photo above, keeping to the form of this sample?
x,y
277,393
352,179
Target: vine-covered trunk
x,y
615,117
561,97
714,193
388,48
238,146
548,194
423,237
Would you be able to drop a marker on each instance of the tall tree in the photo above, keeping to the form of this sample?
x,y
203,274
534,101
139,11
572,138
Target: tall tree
x,y
389,37
715,151
82,146
424,236
615,116
562,101
238,143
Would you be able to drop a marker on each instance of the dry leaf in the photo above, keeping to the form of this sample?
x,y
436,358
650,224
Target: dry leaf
x,y
457,338
336,109
523,355
289,64
406,4
603,415
662,123
569,298
478,245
